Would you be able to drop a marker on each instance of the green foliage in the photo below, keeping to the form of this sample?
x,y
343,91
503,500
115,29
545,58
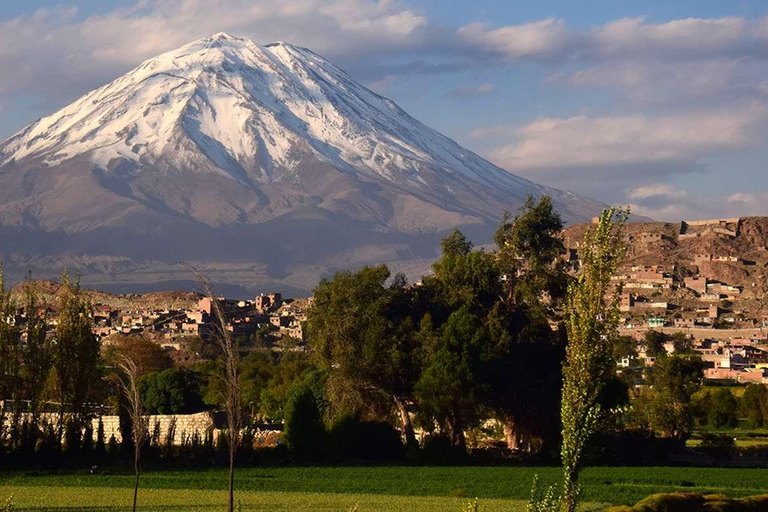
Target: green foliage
x,y
724,409
591,321
11,349
290,368
363,335
667,407
305,430
624,346
529,252
654,343
543,500
77,351
754,405
171,391
448,385
455,244
682,343
38,351
472,279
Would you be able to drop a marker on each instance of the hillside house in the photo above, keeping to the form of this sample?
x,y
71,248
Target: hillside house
x,y
697,284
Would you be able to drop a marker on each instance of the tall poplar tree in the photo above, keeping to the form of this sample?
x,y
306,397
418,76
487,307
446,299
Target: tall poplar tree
x,y
10,364
592,318
77,355
37,355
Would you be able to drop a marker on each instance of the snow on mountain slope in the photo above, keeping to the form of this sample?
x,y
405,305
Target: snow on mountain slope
x,y
247,105
256,142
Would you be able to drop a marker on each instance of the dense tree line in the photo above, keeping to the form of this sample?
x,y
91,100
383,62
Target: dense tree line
x,y
483,337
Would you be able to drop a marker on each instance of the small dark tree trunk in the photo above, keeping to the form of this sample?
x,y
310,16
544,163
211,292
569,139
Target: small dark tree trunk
x,y
405,418
231,480
510,434
136,479
456,431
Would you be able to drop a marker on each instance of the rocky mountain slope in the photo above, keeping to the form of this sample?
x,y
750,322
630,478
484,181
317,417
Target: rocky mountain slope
x,y
263,165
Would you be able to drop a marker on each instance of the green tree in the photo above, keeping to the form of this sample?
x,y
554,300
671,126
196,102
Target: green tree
x,y
624,346
456,298
520,324
754,405
362,335
666,407
701,403
256,371
682,343
456,244
171,391
592,317
291,367
448,387
724,409
654,343
76,355
305,430
529,250
37,355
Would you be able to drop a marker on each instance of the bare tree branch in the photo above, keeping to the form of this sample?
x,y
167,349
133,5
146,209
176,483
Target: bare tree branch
x,y
130,388
231,369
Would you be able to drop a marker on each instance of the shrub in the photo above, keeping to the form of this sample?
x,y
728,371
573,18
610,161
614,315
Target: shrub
x,y
305,431
694,502
720,443
439,450
354,439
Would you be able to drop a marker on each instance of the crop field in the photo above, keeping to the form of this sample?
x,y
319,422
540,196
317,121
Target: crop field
x,y
368,488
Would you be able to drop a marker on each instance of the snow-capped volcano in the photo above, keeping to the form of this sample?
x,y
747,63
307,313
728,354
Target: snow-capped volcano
x,y
261,143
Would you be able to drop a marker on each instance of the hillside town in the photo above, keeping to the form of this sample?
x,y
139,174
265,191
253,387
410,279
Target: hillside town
x,y
268,320
702,281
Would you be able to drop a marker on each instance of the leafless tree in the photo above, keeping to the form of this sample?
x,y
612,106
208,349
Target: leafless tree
x,y
129,385
230,377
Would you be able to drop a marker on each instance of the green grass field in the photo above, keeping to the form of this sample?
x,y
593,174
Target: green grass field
x,y
371,488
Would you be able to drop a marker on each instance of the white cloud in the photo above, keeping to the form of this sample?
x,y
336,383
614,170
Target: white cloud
x,y
753,201
539,39
634,36
594,141
656,62
656,190
680,205
658,81
51,53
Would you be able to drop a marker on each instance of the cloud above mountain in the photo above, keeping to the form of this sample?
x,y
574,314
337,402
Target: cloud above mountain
x,y
553,145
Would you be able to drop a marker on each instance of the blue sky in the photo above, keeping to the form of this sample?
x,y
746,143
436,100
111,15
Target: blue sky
x,y
661,105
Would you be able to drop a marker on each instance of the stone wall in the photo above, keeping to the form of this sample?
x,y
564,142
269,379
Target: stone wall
x,y
186,425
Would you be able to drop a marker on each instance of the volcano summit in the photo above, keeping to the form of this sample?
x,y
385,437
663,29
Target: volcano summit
x,y
266,166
